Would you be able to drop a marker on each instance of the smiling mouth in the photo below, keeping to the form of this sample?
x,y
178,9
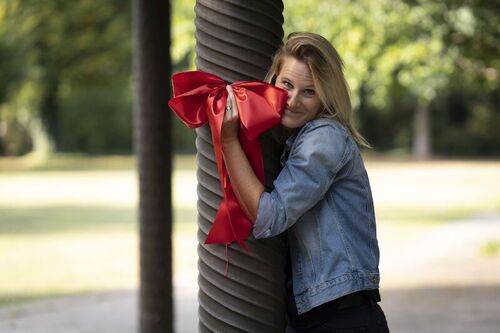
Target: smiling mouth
x,y
293,112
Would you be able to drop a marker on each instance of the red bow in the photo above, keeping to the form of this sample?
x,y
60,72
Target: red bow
x,y
201,97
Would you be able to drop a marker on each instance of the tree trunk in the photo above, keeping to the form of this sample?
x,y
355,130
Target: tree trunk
x,y
421,133
46,138
152,139
235,40
3,132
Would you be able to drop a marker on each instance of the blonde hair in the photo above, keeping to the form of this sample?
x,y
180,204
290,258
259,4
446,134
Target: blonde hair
x,y
327,69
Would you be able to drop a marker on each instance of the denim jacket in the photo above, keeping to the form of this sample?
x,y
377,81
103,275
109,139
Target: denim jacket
x,y
322,198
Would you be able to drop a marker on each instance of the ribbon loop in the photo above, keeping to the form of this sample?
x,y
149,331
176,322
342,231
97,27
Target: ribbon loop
x,y
201,97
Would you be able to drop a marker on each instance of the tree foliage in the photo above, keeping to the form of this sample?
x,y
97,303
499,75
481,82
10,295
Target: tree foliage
x,y
65,70
400,54
64,48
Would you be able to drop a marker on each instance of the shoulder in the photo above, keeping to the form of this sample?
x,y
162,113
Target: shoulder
x,y
326,123
324,131
326,139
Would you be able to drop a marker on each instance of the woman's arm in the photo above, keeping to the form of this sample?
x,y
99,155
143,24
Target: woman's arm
x,y
245,183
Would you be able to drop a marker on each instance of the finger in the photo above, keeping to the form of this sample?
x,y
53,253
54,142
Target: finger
x,y
228,113
233,108
229,104
230,92
229,89
230,95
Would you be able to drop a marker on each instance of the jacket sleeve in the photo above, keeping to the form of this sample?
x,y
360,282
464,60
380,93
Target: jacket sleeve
x,y
316,157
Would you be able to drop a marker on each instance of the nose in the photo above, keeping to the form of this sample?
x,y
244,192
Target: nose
x,y
293,99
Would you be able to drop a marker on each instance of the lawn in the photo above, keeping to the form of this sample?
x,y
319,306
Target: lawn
x,y
69,226
63,250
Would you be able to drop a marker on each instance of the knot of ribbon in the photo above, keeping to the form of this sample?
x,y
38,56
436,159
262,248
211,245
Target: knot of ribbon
x,y
200,97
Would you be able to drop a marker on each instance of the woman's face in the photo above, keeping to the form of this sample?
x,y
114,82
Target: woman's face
x,y
303,103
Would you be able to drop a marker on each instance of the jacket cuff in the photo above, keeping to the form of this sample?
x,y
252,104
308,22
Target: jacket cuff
x,y
262,226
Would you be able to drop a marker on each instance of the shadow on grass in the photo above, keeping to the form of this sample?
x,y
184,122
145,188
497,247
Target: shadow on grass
x,y
62,219
17,299
79,162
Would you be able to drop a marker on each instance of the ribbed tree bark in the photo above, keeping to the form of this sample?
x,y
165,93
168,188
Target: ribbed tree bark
x,y
153,148
235,39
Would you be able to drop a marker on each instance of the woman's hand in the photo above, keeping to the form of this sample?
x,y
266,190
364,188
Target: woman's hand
x,y
231,122
246,186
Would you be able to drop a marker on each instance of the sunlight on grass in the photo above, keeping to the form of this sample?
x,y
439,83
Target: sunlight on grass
x,y
491,249
56,251
433,192
66,263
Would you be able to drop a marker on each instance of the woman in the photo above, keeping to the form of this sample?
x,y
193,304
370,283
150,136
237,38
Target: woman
x,y
322,196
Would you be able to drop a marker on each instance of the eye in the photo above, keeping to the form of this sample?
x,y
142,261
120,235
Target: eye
x,y
309,92
286,85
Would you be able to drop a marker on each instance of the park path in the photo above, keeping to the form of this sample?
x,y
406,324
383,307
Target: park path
x,y
434,279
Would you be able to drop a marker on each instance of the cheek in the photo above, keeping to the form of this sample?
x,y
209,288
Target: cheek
x,y
314,109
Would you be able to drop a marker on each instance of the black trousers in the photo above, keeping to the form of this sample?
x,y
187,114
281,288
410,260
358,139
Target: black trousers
x,y
368,318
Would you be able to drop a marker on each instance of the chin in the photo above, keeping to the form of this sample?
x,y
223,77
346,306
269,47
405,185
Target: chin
x,y
291,123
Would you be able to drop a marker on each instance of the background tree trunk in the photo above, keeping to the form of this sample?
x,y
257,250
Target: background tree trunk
x,y
153,147
49,113
421,133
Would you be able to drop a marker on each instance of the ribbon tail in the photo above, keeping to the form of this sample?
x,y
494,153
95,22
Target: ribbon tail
x,y
221,231
230,225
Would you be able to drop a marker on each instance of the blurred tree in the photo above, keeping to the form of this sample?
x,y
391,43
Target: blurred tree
x,y
183,41
66,79
389,47
11,73
64,43
402,55
183,55
468,113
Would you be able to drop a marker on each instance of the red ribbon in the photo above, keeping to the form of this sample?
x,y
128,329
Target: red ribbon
x,y
199,98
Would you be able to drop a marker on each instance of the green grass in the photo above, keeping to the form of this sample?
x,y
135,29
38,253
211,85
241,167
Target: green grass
x,y
57,220
430,215
69,250
67,161
62,264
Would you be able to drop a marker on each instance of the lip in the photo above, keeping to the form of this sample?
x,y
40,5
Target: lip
x,y
292,112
